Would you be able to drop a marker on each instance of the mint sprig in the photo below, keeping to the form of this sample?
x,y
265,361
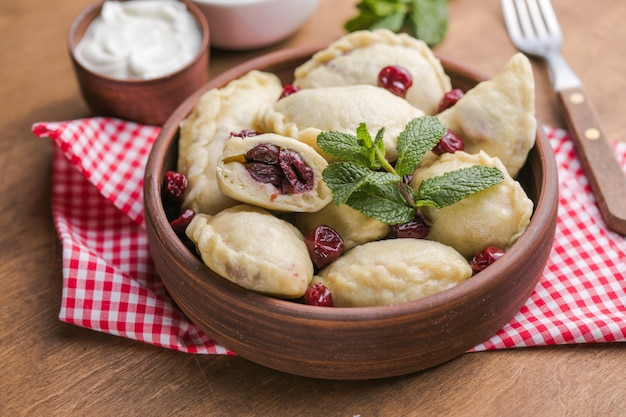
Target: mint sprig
x,y
364,179
424,19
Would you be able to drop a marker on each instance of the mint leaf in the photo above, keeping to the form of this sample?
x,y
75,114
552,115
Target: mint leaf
x,y
344,178
345,147
424,19
428,20
370,146
454,186
394,22
385,203
420,136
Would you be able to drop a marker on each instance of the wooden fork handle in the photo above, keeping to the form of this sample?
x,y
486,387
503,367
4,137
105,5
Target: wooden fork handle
x,y
599,162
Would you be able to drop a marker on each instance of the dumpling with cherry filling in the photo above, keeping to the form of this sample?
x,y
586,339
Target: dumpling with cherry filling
x,y
358,58
496,216
393,271
274,172
254,249
498,116
306,113
204,132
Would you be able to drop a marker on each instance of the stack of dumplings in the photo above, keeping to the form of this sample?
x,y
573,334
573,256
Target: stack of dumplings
x,y
251,233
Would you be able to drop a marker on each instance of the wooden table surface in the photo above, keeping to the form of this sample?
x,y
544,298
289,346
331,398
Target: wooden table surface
x,y
55,369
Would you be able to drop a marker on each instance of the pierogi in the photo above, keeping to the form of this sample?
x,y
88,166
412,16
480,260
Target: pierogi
x,y
254,249
250,229
498,116
354,227
235,179
220,112
496,216
305,114
393,271
358,57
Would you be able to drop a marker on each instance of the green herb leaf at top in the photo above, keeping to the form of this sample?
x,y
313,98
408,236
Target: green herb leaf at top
x,y
424,19
428,20
420,136
454,186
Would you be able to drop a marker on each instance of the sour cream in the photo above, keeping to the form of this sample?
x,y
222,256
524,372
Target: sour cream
x,y
140,39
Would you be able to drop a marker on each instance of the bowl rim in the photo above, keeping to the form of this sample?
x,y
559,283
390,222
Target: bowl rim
x,y
93,10
543,211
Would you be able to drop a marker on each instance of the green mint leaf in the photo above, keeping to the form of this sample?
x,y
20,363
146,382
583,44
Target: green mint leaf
x,y
420,136
394,22
362,21
424,19
428,20
385,203
344,146
454,186
344,178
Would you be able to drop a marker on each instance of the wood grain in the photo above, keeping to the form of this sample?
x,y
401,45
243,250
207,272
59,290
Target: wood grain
x,y
605,174
51,368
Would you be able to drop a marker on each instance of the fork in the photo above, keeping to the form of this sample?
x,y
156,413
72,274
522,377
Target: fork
x,y
534,30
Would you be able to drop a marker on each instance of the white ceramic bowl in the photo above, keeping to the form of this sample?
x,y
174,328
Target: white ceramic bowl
x,y
249,24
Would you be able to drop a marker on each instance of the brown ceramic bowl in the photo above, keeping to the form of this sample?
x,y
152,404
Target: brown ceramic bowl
x,y
149,101
349,343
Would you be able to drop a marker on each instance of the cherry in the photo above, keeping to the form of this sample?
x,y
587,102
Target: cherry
x,y
486,257
417,228
299,177
284,169
174,185
450,142
318,295
396,79
324,244
182,221
266,173
450,98
263,152
288,90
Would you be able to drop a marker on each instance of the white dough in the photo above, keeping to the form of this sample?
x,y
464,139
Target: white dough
x,y
203,133
308,112
498,116
393,271
254,249
495,216
358,57
354,227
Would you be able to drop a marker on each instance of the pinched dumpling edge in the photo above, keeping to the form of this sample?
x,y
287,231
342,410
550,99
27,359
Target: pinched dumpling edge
x,y
219,112
393,271
474,223
498,115
345,107
270,258
430,81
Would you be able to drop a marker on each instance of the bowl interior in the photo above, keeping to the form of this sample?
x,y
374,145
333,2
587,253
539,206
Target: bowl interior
x,y
349,343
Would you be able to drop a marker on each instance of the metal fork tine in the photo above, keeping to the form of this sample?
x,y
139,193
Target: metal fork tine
x,y
539,25
552,24
510,20
524,18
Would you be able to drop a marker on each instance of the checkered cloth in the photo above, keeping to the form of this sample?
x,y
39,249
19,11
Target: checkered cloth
x,y
110,283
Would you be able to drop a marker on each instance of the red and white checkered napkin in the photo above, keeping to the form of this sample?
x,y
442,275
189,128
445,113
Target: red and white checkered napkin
x,y
110,284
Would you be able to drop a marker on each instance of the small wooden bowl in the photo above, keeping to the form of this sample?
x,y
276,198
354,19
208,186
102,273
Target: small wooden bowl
x,y
349,343
149,101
